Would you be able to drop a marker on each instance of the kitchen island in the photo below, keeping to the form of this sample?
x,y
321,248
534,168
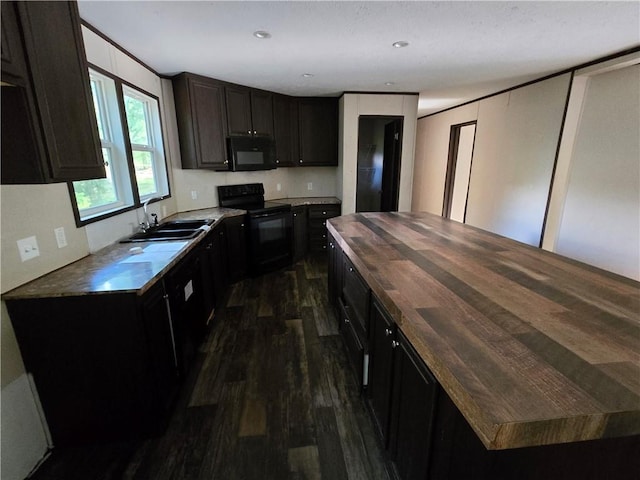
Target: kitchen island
x,y
532,348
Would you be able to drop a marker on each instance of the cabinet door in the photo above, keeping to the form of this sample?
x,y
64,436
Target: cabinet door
x,y
206,105
219,264
14,68
236,247
64,117
300,237
412,410
382,335
356,294
318,123
336,261
207,276
162,347
262,113
285,130
238,110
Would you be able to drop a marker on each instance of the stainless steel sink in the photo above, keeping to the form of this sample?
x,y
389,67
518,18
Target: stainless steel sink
x,y
173,230
184,224
157,235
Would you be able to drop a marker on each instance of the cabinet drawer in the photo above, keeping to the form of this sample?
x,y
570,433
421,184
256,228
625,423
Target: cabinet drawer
x,y
356,294
324,211
355,348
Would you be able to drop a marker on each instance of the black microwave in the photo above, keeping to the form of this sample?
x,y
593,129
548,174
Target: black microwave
x,y
251,153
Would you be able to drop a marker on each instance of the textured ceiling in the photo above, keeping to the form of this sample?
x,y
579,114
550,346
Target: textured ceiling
x,y
458,50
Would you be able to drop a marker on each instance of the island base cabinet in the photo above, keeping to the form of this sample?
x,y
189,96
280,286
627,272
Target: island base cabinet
x,y
458,454
411,416
104,366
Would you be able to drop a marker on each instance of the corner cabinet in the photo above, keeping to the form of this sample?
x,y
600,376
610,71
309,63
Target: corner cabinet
x,y
49,128
202,121
318,129
106,366
285,130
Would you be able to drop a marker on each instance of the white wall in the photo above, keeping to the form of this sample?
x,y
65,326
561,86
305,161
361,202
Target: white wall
x,y
351,107
515,148
600,222
432,152
594,210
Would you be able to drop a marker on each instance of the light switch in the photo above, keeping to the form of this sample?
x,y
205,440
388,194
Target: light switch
x,y
278,187
28,248
194,195
309,186
61,238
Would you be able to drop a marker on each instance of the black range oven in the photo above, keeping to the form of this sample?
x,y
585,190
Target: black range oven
x,y
270,225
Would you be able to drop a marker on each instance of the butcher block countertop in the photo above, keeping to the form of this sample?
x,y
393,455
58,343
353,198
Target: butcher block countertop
x,y
532,347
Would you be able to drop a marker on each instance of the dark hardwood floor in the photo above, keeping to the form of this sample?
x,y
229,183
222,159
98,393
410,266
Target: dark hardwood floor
x,y
271,396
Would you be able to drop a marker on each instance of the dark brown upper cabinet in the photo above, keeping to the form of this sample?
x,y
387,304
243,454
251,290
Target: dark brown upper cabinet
x,y
49,129
202,125
249,112
285,130
318,124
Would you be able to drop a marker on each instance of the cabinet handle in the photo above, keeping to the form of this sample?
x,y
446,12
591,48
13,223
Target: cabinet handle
x,y
324,213
277,161
346,320
351,269
255,133
300,160
395,344
249,132
295,214
226,162
242,225
173,340
388,331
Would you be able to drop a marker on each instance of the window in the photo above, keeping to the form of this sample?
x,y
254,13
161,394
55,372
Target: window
x,y
135,163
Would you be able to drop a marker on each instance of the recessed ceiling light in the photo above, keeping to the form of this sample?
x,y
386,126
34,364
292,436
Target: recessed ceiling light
x,y
307,75
400,44
388,84
261,34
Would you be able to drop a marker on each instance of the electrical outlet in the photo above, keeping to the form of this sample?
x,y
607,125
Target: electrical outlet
x,y
278,187
28,248
61,238
309,186
194,195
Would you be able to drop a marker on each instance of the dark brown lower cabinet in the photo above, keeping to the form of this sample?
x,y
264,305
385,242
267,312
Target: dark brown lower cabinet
x,y
300,232
411,414
318,216
334,273
458,454
381,341
106,367
215,269
354,344
236,229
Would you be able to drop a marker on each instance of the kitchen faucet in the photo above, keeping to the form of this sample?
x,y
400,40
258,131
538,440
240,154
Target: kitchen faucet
x,y
147,223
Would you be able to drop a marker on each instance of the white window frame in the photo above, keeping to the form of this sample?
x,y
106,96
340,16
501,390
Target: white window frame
x,y
155,144
110,92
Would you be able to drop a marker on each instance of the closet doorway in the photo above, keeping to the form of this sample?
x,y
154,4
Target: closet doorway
x,y
456,187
